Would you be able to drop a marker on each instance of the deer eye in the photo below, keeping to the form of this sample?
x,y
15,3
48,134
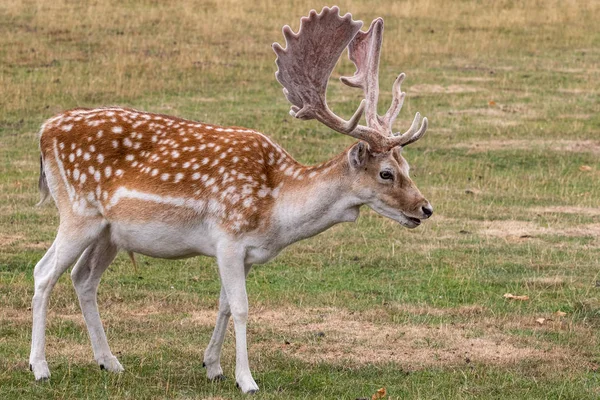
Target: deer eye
x,y
385,174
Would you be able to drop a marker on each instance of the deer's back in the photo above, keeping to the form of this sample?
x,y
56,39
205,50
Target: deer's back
x,y
126,165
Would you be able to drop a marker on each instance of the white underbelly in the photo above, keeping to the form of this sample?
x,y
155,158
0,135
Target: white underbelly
x,y
156,239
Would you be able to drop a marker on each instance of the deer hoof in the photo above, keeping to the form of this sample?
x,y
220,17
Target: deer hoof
x,y
40,370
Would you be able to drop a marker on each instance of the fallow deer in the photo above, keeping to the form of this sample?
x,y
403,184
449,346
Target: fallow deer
x,y
168,187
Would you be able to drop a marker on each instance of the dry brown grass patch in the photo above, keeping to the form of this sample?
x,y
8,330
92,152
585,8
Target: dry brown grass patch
x,y
426,310
334,335
452,89
526,229
10,240
548,282
589,211
573,146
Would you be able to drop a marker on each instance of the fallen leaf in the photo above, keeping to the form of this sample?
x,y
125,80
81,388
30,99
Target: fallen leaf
x,y
560,314
380,394
585,168
511,296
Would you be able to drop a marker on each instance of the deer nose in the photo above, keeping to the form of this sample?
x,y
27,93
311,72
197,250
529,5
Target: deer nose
x,y
427,210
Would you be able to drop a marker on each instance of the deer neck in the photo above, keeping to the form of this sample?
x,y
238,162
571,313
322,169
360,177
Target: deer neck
x,y
313,204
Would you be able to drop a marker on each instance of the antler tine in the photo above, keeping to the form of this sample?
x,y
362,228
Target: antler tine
x,y
412,134
364,52
306,63
397,102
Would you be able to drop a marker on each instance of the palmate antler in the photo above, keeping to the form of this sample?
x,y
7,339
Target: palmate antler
x,y
305,65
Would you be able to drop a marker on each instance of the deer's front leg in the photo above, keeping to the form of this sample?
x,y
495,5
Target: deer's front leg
x,y
233,279
212,354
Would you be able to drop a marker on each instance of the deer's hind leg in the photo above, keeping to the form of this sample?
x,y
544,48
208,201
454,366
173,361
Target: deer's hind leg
x,y
86,276
73,237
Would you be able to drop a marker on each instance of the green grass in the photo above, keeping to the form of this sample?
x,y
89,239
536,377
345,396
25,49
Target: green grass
x,y
510,89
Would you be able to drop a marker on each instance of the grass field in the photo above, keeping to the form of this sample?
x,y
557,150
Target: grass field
x,y
511,163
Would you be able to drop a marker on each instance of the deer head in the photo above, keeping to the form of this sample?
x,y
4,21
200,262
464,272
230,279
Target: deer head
x,y
380,175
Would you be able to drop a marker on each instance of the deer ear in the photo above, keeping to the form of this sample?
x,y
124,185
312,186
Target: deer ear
x,y
357,156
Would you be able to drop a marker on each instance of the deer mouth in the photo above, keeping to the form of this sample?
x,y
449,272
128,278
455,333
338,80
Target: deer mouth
x,y
411,222
415,221
395,214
